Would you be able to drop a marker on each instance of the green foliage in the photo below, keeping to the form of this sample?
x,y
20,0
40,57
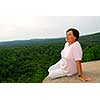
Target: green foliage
x,y
23,64
92,53
28,63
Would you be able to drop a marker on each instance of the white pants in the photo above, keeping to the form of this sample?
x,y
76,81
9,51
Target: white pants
x,y
55,71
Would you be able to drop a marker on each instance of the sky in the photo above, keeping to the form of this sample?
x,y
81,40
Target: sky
x,y
29,27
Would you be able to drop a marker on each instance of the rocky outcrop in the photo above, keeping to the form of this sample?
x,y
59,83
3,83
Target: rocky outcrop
x,y
90,69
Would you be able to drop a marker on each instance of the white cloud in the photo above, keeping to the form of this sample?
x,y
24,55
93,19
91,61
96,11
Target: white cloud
x,y
25,27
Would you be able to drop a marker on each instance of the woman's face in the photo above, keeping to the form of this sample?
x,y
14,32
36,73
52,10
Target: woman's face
x,y
70,37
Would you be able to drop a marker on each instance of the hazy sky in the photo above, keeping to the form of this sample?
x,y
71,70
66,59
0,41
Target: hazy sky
x,y
18,28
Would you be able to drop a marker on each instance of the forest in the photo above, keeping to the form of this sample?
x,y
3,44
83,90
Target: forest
x,y
27,61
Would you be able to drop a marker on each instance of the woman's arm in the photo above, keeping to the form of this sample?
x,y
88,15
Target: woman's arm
x,y
79,70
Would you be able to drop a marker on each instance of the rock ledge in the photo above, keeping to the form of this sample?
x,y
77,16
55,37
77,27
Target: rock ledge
x,y
90,69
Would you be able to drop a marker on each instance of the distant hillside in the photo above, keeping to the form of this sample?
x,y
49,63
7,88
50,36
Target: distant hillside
x,y
29,42
90,39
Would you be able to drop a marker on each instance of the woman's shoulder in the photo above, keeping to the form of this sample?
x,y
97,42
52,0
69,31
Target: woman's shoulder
x,y
76,44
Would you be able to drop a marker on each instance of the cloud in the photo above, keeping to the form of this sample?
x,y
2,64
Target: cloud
x,y
12,28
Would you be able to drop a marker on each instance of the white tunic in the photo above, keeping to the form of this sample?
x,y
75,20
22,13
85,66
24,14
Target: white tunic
x,y
69,55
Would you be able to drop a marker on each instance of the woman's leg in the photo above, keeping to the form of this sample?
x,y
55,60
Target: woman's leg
x,y
54,67
56,73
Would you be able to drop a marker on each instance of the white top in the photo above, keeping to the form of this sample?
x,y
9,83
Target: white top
x,y
69,55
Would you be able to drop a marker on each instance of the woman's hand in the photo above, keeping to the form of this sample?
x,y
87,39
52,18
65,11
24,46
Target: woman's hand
x,y
84,79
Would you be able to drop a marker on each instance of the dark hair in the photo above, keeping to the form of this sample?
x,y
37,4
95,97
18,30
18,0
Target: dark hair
x,y
75,33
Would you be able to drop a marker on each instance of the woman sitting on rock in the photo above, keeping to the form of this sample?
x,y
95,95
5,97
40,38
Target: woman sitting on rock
x,y
71,56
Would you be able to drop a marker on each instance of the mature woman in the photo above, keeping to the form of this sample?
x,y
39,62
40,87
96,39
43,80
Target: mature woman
x,y
71,56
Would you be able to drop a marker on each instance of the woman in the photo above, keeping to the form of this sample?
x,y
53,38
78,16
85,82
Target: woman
x,y
71,56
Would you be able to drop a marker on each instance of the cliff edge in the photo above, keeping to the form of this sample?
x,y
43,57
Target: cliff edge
x,y
90,69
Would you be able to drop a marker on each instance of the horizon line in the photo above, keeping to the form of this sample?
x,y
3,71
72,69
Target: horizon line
x,y
45,38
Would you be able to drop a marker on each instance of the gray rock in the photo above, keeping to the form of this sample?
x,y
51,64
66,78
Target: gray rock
x,y
90,69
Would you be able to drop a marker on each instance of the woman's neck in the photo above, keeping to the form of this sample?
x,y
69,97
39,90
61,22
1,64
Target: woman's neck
x,y
71,43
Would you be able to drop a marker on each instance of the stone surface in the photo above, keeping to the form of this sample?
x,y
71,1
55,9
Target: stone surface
x,y
90,69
